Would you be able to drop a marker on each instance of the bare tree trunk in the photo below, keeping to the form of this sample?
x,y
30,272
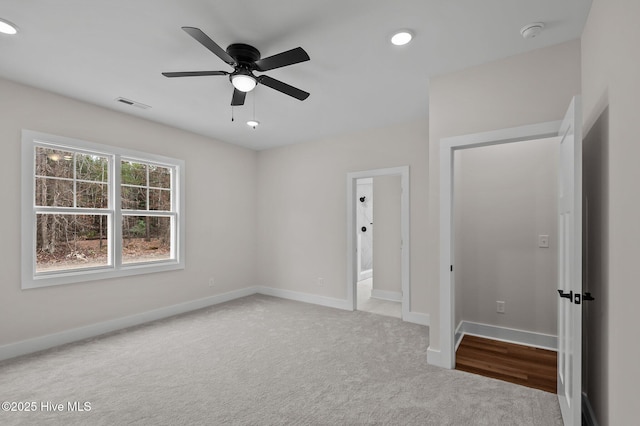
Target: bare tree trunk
x,y
147,236
44,230
101,233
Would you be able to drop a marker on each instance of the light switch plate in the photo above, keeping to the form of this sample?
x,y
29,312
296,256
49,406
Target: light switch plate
x,y
543,241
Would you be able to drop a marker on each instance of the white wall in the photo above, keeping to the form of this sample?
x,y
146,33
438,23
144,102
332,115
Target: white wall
x,y
524,89
220,217
505,197
387,235
302,204
611,89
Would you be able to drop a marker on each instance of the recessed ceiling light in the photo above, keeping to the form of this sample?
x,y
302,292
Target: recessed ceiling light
x,y
401,37
7,27
253,123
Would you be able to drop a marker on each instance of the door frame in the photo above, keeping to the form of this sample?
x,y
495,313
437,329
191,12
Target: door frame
x,y
405,255
448,146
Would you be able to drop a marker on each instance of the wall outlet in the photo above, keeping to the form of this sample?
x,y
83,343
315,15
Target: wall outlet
x,y
211,282
320,281
500,306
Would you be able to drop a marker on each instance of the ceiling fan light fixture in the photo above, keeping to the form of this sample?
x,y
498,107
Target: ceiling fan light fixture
x,y
7,27
243,82
402,37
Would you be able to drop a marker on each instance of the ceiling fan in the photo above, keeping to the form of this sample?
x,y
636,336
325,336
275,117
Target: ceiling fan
x,y
245,59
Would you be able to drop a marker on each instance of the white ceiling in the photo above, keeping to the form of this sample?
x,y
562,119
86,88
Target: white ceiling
x,y
97,51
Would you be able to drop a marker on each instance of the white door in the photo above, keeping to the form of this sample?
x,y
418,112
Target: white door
x,y
570,265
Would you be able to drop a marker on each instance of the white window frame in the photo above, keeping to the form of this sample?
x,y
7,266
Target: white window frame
x,y
115,268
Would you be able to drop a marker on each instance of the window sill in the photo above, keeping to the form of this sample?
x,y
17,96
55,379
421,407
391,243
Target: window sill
x,y
84,275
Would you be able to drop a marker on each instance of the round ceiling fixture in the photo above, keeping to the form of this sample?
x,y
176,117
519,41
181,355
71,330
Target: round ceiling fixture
x,y
243,82
401,38
532,30
7,27
253,123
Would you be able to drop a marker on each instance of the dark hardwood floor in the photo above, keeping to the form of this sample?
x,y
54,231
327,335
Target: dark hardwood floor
x,y
523,365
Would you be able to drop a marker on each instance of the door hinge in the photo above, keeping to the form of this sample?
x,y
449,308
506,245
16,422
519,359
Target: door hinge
x,y
451,269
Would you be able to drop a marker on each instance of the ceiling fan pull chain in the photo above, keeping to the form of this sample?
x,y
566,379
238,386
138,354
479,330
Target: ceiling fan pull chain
x,y
232,114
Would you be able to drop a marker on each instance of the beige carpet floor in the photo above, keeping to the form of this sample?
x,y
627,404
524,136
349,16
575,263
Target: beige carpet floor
x,y
262,361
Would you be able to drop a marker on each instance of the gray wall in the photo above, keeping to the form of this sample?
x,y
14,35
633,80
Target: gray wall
x,y
303,187
220,217
387,235
505,197
611,89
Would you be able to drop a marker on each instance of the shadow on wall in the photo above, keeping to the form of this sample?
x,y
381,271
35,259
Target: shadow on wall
x,y
595,340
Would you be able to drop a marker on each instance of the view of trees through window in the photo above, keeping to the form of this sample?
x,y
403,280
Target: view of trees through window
x,y
73,213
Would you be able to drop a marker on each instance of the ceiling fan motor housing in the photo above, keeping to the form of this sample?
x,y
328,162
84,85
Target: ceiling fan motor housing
x,y
244,54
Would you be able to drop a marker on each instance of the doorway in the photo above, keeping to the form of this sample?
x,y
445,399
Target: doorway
x,y
378,289
569,281
505,239
446,356
384,182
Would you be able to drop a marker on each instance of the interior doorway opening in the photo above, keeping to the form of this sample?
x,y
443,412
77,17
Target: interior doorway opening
x,y
505,253
505,241
375,285
378,289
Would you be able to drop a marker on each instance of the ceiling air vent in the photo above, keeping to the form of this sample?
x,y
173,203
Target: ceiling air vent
x,y
132,103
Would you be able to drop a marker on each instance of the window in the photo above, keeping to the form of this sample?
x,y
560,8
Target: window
x,y
92,211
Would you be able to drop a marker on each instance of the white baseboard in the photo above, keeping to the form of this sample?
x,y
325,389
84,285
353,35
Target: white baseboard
x,y
365,275
394,296
458,335
434,357
37,344
56,339
416,318
511,335
305,297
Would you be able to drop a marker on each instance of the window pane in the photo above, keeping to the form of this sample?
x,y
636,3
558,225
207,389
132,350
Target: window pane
x,y
160,199
67,242
54,163
54,192
134,173
146,238
92,167
159,177
134,198
92,195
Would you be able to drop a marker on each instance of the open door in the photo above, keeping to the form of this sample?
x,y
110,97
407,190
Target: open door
x,y
570,265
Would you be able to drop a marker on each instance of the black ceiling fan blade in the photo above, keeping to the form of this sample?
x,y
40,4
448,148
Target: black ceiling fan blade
x,y
290,57
238,97
193,73
210,44
283,87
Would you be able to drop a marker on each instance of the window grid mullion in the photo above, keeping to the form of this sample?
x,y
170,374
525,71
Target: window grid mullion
x,y
75,184
117,208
